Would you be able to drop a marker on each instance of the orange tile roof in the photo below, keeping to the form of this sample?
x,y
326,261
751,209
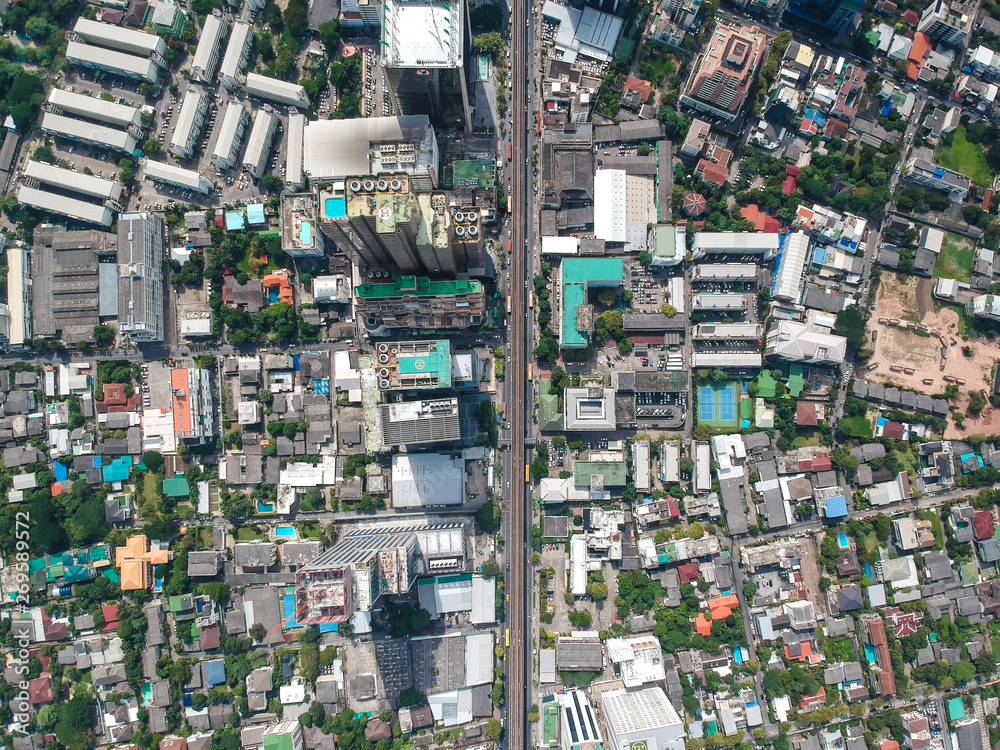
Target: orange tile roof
x,y
804,217
918,51
703,625
135,560
280,279
804,656
721,604
713,174
181,403
134,575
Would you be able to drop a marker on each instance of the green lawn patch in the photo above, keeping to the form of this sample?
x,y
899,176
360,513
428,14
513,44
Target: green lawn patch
x,y
805,438
206,538
859,426
964,324
956,257
310,529
249,534
967,158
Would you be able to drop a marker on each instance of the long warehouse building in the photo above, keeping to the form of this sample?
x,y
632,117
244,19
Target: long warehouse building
x,y
206,57
718,302
723,331
273,90
93,108
187,179
293,151
261,139
710,272
64,192
724,360
764,244
131,41
92,133
237,54
234,127
187,127
112,61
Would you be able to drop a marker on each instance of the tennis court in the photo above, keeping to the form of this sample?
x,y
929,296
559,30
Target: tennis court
x,y
717,405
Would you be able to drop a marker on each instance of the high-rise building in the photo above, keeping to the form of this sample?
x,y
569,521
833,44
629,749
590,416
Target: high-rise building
x,y
206,56
416,302
383,223
381,560
414,365
723,78
641,718
423,52
141,239
838,16
949,22
356,14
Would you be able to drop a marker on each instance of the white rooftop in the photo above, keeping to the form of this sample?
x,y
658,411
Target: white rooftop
x,y
422,33
423,479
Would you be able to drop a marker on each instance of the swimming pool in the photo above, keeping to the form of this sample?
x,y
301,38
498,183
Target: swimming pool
x,y
286,532
842,538
305,233
263,507
335,208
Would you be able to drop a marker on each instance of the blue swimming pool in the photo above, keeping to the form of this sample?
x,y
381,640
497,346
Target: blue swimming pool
x,y
286,532
263,507
842,538
335,208
305,233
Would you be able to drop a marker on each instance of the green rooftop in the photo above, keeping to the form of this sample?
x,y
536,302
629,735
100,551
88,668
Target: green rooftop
x,y
956,709
436,362
578,275
550,418
418,286
614,472
970,573
176,487
550,725
279,741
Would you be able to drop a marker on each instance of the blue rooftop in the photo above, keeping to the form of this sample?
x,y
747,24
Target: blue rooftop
x,y
117,470
836,507
215,673
255,213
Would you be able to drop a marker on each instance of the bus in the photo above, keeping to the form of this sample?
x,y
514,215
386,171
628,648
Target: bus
x,y
507,638
529,372
509,248
503,414
531,300
510,150
510,306
527,476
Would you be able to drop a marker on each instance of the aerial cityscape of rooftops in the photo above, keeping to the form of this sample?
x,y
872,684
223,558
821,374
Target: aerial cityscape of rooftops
x,y
295,292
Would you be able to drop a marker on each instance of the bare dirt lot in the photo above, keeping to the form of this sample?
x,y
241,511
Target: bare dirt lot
x,y
910,300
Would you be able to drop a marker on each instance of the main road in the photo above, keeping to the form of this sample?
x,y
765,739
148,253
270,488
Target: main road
x,y
518,582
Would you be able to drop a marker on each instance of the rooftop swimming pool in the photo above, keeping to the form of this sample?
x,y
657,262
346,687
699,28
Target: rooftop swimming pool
x,y
334,208
305,233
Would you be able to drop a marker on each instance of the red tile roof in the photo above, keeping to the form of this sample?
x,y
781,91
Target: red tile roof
x,y
713,174
805,414
789,185
688,572
835,128
40,691
984,524
643,88
987,197
892,430
822,462
911,17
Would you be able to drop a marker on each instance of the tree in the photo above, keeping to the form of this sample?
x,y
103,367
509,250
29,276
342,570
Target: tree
x,y
962,672
488,516
668,309
409,697
329,34
38,28
486,17
493,729
272,183
152,146
597,591
490,42
103,335
749,589
696,530
491,569
153,461
258,632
